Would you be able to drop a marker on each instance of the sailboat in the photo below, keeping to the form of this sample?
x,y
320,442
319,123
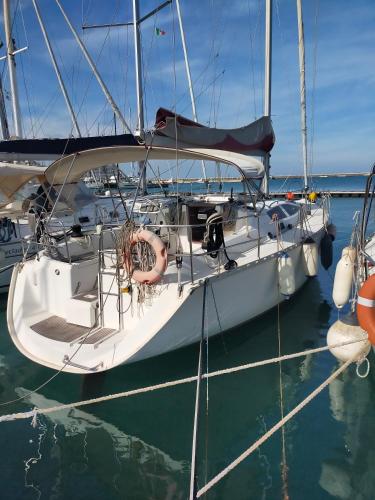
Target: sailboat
x,y
23,214
354,282
123,293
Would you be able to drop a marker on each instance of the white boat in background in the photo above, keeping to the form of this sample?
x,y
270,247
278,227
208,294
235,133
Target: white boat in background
x,y
96,301
22,217
14,226
13,233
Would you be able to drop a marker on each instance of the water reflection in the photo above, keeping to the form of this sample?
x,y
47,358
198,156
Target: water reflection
x,y
81,445
347,473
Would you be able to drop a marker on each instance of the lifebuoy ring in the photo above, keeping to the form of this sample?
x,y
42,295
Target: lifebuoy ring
x,y
366,308
155,274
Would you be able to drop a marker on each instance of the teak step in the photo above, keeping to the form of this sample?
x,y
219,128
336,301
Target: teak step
x,y
56,328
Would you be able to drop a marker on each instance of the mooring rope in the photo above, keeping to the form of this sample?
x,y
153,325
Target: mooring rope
x,y
284,466
275,428
193,470
164,385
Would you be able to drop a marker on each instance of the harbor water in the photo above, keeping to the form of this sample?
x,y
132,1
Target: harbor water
x,y
140,447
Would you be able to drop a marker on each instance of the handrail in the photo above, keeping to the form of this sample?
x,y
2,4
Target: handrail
x,y
249,242
182,254
66,361
182,226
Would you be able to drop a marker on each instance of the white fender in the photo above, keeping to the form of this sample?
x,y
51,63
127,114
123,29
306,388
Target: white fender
x,y
342,285
348,330
310,251
287,281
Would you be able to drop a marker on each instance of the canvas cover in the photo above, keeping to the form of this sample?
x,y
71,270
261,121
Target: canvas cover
x,y
71,168
13,176
172,130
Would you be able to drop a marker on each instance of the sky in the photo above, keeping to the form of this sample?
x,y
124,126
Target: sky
x,y
225,43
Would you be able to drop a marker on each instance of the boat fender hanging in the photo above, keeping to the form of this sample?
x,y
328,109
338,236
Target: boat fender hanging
x,y
331,230
366,307
310,252
346,329
155,274
287,281
326,251
342,284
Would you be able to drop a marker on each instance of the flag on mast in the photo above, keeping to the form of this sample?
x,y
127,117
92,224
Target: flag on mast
x,y
159,32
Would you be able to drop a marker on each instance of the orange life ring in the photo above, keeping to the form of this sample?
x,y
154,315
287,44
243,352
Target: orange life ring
x,y
155,274
366,308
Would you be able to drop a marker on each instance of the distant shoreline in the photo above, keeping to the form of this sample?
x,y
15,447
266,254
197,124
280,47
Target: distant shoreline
x,y
272,177
339,174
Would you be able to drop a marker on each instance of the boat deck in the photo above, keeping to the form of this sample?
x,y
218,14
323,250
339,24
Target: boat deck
x,y
56,328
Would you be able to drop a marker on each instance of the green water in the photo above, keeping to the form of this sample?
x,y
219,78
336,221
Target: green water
x,y
140,447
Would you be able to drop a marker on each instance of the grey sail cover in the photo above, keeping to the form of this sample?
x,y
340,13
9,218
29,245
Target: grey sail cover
x,y
171,130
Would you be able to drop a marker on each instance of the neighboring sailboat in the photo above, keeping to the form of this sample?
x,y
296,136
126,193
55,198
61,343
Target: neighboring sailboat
x,y
22,216
14,227
354,281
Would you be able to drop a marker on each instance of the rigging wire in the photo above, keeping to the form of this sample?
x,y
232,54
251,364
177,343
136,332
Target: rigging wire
x,y
32,126
5,65
213,19
51,104
286,73
96,61
145,69
313,91
252,35
23,73
175,117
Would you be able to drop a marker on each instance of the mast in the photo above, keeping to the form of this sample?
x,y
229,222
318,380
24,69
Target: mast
x,y
301,49
57,71
3,114
94,69
188,74
139,88
12,69
267,86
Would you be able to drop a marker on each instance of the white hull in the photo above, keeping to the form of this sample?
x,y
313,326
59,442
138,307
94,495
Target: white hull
x,y
235,298
12,251
10,254
37,306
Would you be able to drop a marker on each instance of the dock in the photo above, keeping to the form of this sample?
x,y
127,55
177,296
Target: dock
x,y
322,175
333,194
209,180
